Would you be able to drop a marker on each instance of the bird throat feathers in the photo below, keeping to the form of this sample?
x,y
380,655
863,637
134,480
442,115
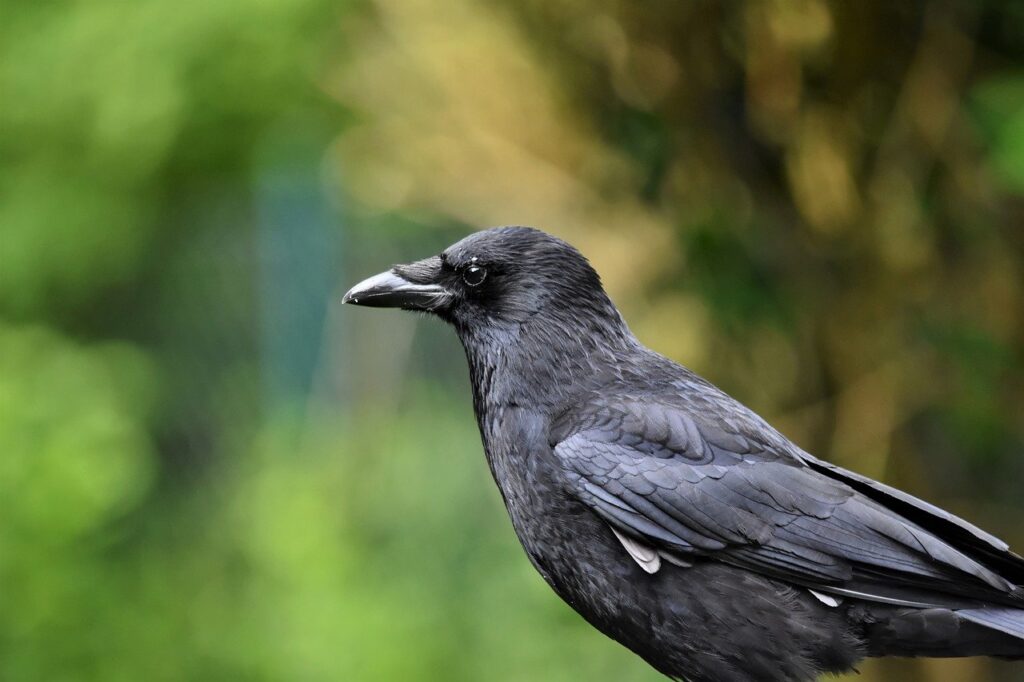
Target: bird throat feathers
x,y
544,355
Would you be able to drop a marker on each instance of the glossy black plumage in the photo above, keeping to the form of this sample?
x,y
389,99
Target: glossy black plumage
x,y
673,518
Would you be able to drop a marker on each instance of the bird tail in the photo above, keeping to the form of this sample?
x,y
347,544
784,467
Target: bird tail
x,y
991,631
1007,620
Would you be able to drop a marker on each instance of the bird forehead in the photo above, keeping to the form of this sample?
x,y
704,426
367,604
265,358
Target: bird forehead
x,y
502,245
468,252
463,257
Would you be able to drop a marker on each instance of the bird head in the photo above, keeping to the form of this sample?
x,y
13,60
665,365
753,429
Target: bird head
x,y
496,279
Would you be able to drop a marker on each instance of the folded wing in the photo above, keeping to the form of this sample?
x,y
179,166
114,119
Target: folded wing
x,y
689,488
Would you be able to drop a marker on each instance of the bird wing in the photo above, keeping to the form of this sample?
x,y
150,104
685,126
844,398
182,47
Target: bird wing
x,y
677,480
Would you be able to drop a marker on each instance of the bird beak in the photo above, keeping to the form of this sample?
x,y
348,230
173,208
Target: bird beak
x,y
395,289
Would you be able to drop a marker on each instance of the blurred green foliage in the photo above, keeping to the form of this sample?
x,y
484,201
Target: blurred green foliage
x,y
209,471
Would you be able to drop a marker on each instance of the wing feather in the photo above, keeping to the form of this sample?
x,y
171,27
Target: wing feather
x,y
671,482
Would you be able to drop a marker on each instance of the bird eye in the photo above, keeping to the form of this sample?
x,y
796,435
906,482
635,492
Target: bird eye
x,y
474,275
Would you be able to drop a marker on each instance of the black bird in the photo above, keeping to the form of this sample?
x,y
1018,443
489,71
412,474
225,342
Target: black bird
x,y
673,518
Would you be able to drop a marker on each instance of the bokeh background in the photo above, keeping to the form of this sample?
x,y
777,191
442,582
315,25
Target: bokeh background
x,y
209,470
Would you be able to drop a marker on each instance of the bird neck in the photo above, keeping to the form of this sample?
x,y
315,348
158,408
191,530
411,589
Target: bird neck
x,y
542,361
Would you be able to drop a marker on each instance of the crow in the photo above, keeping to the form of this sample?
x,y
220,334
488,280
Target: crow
x,y
673,518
